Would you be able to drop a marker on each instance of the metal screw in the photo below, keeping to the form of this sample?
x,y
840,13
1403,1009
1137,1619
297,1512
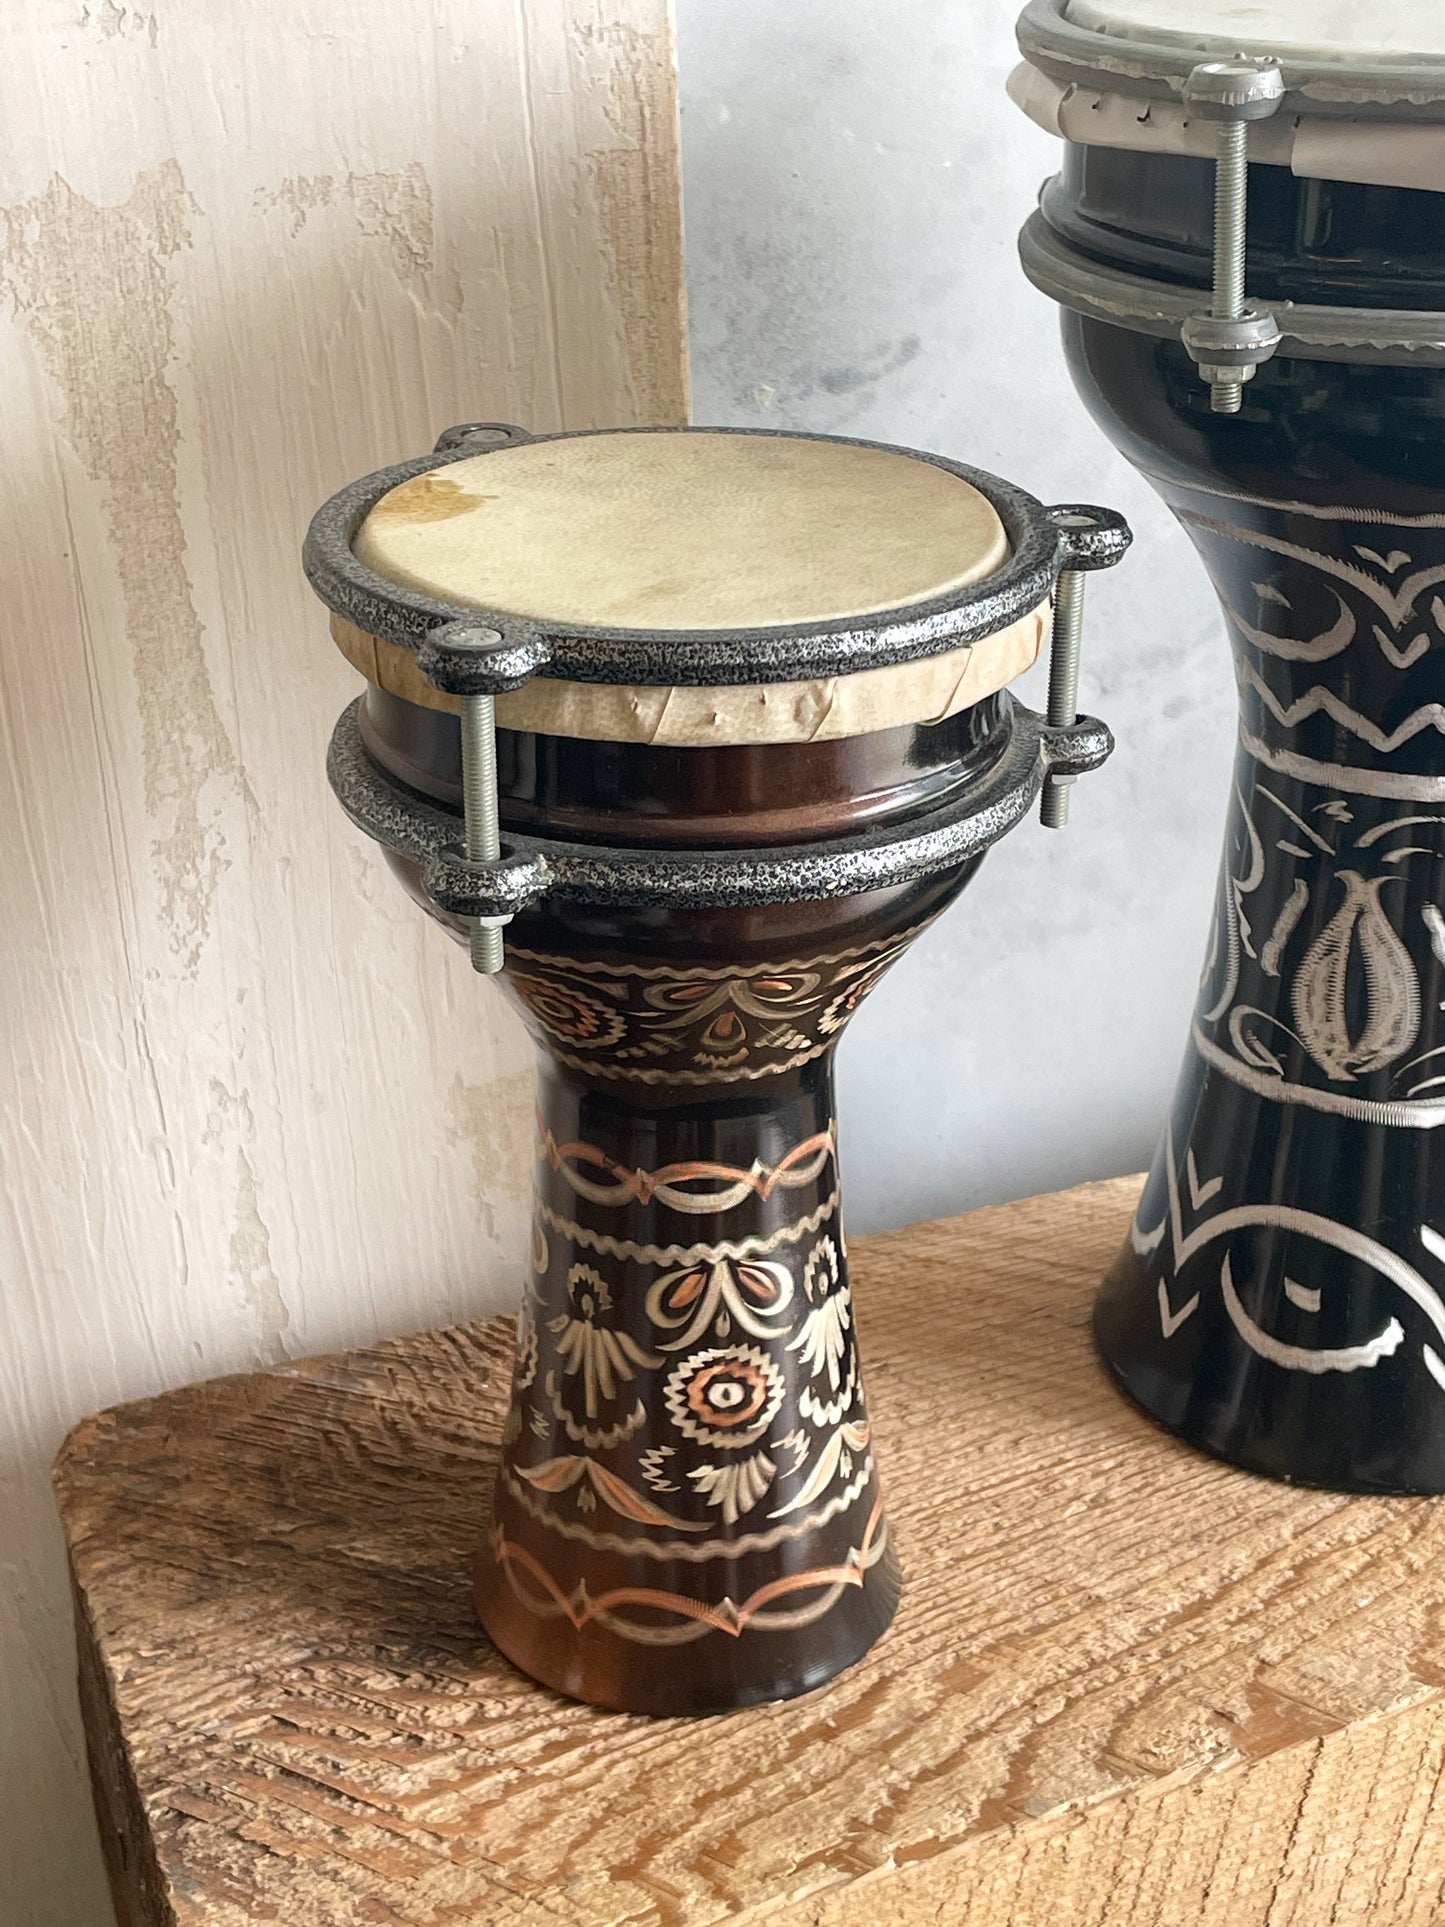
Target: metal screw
x,y
1063,686
480,808
1231,208
1234,93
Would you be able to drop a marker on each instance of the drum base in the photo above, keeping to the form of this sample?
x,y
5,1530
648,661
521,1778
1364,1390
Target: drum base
x,y
1188,1349
586,1664
1178,1406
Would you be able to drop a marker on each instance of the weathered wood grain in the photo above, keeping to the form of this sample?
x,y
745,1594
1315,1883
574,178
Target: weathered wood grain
x,y
249,250
1126,1685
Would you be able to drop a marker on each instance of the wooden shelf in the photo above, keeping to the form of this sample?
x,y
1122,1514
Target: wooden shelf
x,y
1126,1684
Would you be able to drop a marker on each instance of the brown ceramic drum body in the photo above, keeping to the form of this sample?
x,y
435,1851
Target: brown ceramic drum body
x,y
687,1513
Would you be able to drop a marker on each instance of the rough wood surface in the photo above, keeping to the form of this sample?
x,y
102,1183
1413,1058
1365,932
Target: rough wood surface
x,y
249,250
1126,1685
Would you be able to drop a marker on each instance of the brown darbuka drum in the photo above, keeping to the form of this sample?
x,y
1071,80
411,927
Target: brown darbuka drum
x,y
752,736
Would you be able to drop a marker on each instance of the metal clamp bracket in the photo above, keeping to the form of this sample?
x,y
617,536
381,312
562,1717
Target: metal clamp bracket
x,y
1089,538
479,664
1229,343
527,868
472,889
473,659
479,436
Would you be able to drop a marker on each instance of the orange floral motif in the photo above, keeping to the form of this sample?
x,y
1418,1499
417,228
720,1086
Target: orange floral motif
x,y
717,1295
724,1010
565,1011
652,1024
562,1474
726,1396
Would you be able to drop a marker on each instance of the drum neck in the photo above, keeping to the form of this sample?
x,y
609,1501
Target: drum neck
x,y
1327,243
631,794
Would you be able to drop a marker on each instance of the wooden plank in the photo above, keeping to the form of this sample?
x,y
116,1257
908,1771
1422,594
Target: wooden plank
x,y
1126,1684
247,253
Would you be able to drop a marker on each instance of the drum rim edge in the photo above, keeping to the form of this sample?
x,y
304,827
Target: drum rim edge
x,y
1388,336
1157,69
715,877
698,658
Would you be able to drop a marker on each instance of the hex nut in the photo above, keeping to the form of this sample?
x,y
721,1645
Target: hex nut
x,y
1231,345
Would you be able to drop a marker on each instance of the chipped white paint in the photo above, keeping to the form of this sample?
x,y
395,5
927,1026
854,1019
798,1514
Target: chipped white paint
x,y
255,1106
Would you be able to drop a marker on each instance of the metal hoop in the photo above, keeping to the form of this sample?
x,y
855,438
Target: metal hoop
x,y
1412,89
532,867
1392,336
693,658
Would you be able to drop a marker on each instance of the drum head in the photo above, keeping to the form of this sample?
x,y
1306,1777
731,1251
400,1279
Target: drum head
x,y
1363,102
694,530
1342,30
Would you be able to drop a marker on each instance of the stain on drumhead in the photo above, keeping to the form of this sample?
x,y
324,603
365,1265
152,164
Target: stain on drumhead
x,y
431,497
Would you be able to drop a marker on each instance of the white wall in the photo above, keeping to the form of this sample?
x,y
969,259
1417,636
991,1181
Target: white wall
x,y
253,1104
854,179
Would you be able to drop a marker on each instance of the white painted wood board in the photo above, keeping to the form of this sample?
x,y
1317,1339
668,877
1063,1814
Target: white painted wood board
x,y
255,1104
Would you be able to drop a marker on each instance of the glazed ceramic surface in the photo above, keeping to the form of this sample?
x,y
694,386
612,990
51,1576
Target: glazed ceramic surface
x,y
1281,1299
687,1514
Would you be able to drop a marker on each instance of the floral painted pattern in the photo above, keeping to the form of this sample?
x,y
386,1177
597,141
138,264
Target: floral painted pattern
x,y
604,1358
724,1396
567,1012
822,1339
691,1405
717,1295
652,1024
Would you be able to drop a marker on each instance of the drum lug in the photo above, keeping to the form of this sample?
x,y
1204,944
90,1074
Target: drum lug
x,y
1073,749
1229,343
473,659
1228,351
1089,538
485,893
479,664
475,437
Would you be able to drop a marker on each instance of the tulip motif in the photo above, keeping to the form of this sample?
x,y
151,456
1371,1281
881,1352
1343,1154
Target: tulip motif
x,y
1320,995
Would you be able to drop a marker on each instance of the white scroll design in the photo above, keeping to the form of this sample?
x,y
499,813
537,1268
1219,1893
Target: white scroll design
x,y
1349,871
1177,1246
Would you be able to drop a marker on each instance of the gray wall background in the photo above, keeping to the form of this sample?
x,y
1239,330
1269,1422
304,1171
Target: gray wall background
x,y
854,180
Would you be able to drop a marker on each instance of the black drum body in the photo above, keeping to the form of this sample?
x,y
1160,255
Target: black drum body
x,y
1281,1299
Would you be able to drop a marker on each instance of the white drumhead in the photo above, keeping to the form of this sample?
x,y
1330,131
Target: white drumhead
x,y
1338,30
688,530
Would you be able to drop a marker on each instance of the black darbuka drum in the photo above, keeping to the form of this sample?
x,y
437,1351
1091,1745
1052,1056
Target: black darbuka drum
x,y
1281,1299
752,733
